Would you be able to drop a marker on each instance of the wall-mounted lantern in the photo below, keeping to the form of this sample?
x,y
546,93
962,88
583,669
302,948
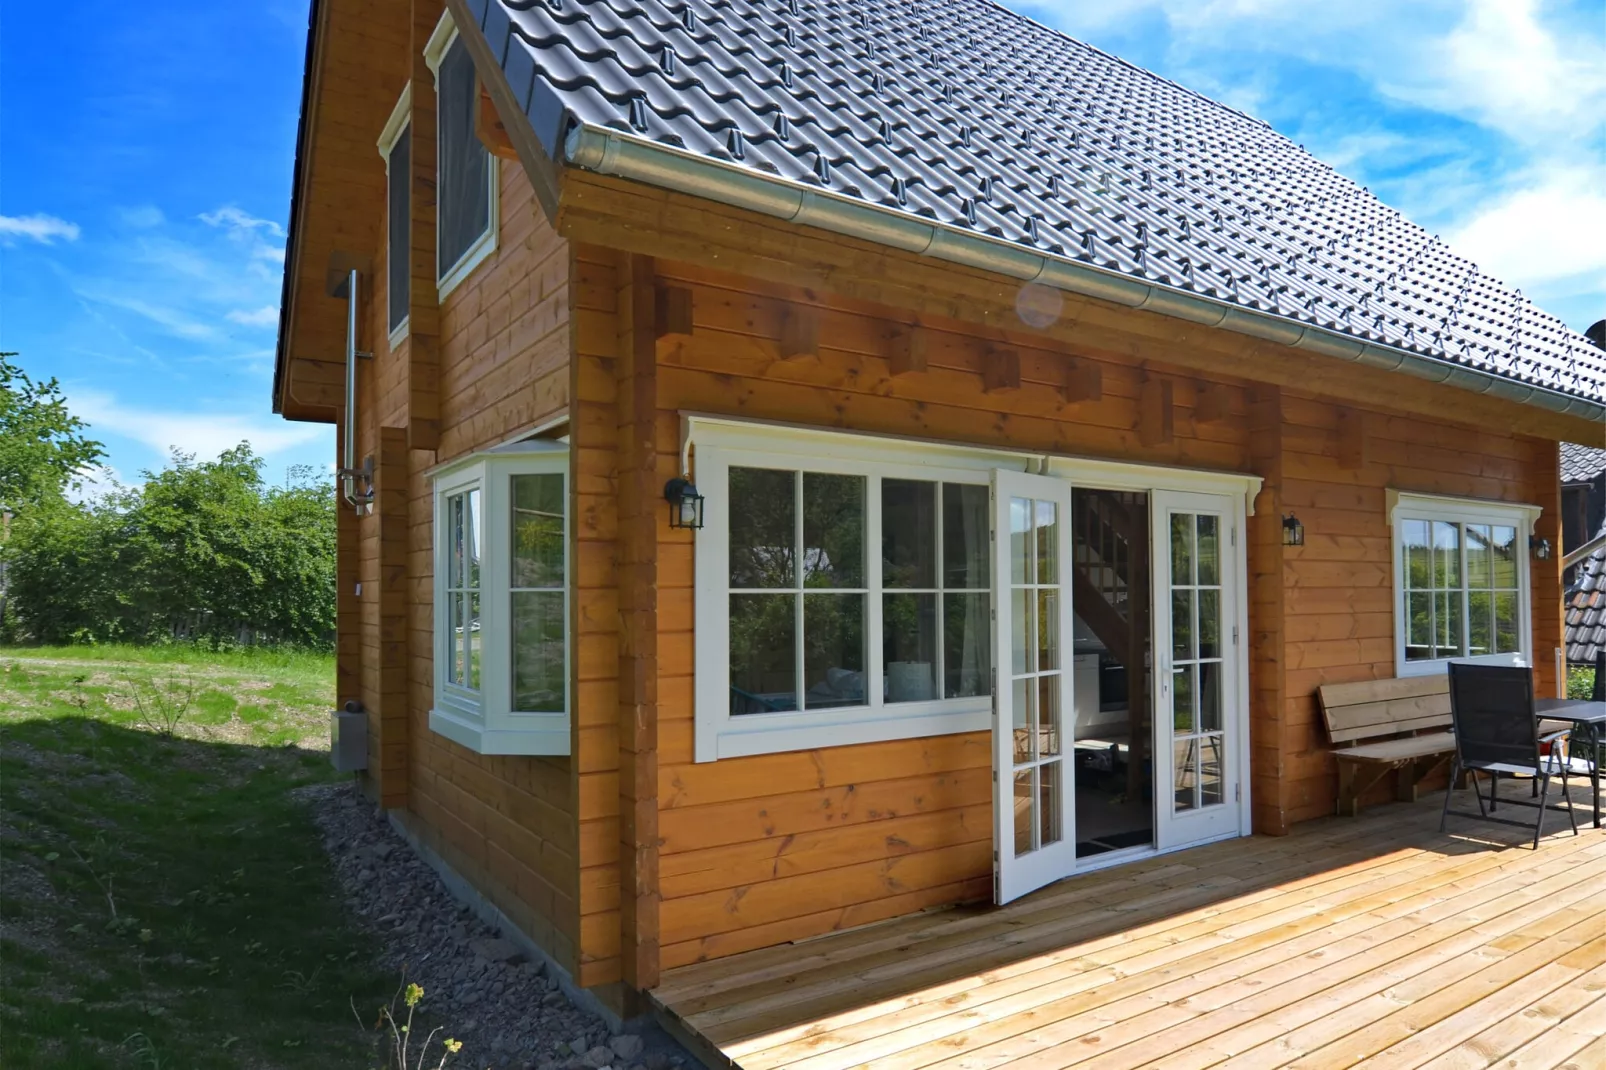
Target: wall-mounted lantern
x,y
1293,531
1539,547
685,504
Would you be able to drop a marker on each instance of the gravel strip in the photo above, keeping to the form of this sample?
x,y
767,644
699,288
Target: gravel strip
x,y
507,1014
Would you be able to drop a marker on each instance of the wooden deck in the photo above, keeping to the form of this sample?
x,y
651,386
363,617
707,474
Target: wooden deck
x,y
1371,939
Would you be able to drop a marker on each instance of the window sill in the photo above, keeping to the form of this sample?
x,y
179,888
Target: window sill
x,y
527,733
398,334
471,259
1440,666
748,734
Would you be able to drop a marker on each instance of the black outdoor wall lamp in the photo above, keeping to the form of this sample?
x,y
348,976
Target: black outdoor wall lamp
x,y
685,504
1293,531
1539,547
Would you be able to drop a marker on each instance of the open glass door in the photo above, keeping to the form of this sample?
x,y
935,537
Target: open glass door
x,y
1199,717
1032,793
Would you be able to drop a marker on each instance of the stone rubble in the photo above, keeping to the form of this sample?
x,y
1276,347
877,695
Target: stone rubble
x,y
476,983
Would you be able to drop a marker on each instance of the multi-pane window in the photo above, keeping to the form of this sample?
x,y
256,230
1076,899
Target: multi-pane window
x,y
1460,591
463,589
502,600
807,600
464,226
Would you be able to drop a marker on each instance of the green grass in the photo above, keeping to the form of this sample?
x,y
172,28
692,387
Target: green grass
x,y
165,902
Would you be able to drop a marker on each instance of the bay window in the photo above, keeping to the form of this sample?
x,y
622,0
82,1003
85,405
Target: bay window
x,y
501,600
1461,582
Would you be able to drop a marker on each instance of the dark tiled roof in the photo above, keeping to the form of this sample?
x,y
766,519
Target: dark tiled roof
x,y
1580,464
964,113
1586,609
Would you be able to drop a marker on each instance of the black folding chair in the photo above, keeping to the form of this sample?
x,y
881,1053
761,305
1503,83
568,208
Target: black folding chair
x,y
1492,716
1599,694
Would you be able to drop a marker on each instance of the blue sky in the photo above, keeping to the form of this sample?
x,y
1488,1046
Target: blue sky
x,y
144,182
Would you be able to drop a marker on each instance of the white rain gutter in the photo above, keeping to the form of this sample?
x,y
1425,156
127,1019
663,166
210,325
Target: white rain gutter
x,y
616,153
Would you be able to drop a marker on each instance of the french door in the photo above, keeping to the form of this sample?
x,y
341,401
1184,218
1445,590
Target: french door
x,y
1033,792
1198,721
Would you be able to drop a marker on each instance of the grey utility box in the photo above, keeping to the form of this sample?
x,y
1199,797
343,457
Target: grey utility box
x,y
348,740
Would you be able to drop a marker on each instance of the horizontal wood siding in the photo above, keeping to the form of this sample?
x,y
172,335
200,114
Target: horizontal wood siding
x,y
506,823
1338,592
761,850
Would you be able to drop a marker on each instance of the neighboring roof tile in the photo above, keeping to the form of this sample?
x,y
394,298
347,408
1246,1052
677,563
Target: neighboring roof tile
x,y
1585,634
965,113
1580,464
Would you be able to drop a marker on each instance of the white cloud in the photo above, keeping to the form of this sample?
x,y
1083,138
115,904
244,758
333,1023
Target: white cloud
x,y
205,433
44,229
1546,229
266,316
238,222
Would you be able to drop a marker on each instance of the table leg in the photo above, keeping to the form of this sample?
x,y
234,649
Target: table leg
x,y
1594,768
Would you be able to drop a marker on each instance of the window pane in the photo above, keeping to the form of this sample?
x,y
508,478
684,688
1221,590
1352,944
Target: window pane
x,y
1446,555
1447,622
1049,737
1020,539
454,662
1480,622
464,196
1181,548
454,525
1210,696
1023,811
763,652
537,531
1182,648
1419,626
1182,689
1023,693
965,548
967,646
833,530
1185,754
398,238
1505,557
908,533
538,652
1209,549
909,646
1211,784
471,538
1209,621
1048,514
1048,804
1505,623
1418,567
763,528
472,632
1022,649
833,650
1480,557
1048,628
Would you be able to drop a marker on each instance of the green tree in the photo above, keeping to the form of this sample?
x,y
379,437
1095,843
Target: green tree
x,y
43,448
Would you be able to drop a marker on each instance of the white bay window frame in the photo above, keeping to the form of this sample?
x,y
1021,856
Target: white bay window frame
x,y
485,721
1404,507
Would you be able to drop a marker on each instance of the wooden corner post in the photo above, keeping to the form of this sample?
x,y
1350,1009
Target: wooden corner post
x,y
391,514
640,511
1268,733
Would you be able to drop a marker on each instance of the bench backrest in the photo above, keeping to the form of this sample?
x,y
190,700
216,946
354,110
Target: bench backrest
x,y
1377,709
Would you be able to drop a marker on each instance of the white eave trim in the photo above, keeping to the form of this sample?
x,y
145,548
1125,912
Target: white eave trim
x,y
400,115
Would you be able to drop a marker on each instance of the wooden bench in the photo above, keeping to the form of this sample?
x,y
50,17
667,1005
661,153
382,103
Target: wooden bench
x,y
1387,726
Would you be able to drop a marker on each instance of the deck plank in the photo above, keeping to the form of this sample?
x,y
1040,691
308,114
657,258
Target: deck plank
x,y
1374,939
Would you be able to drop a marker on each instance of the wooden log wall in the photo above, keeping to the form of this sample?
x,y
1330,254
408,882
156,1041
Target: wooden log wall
x,y
507,824
761,850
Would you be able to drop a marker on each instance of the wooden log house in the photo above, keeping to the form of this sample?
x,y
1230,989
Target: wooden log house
x,y
1046,435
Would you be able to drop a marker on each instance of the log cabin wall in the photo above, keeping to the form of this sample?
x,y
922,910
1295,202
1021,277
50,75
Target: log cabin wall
x,y
761,850
507,824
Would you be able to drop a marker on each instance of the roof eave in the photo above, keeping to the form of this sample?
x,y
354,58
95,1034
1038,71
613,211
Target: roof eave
x,y
614,152
281,358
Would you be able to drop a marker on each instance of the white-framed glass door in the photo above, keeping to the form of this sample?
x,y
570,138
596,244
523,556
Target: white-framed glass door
x,y
1199,696
1033,792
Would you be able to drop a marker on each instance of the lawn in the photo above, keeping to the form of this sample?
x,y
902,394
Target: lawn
x,y
164,898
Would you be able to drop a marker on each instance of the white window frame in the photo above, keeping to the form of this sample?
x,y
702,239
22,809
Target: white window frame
x,y
489,724
401,117
722,442
445,33
1405,506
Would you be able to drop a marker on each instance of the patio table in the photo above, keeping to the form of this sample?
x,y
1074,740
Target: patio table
x,y
1590,717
